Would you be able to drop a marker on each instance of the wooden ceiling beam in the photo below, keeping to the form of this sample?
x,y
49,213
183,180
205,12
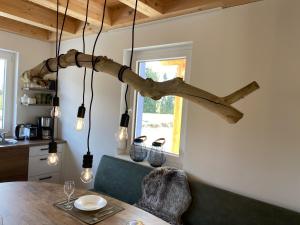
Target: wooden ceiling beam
x,y
178,7
77,10
232,3
122,15
23,29
32,14
181,7
150,8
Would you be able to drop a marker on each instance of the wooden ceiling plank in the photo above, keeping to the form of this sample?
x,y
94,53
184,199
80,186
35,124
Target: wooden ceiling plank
x,y
90,30
77,10
118,15
32,14
150,8
122,16
23,29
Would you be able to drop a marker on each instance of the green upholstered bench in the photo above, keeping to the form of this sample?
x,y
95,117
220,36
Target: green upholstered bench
x,y
210,205
120,179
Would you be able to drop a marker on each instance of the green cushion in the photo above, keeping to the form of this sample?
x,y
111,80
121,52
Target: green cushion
x,y
120,179
214,206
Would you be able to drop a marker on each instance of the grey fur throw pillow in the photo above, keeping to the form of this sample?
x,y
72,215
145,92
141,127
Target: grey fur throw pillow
x,y
166,194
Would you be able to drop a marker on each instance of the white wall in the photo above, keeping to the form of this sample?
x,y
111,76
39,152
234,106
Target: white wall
x,y
30,52
259,156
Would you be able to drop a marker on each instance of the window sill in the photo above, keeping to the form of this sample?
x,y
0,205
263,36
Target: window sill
x,y
127,158
172,160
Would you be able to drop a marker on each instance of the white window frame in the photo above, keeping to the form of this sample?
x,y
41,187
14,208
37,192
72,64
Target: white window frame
x,y
170,51
9,90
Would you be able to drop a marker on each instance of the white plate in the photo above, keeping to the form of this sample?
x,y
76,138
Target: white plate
x,y
90,203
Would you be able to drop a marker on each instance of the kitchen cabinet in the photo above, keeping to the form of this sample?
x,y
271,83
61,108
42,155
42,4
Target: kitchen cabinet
x,y
39,170
28,161
14,163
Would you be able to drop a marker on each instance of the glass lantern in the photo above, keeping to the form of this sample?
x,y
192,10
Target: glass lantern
x,y
157,156
138,151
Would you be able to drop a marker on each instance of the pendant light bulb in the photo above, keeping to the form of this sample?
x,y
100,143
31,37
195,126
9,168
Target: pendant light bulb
x,y
52,159
87,173
122,134
79,124
55,112
80,118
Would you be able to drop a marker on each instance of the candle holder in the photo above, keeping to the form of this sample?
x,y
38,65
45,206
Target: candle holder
x,y
157,156
138,151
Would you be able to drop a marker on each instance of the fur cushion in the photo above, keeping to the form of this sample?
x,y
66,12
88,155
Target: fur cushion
x,y
166,194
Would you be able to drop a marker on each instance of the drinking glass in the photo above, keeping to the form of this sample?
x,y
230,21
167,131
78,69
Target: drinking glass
x,y
69,189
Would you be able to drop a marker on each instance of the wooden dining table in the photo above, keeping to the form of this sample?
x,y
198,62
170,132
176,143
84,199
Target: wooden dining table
x,y
32,203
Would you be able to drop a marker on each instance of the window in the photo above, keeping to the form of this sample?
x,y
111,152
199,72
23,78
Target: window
x,y
162,118
2,90
7,74
165,118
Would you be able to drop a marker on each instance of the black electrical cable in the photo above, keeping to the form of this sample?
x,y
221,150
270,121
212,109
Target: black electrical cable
x,y
92,78
132,33
56,39
57,49
62,26
59,42
132,48
83,47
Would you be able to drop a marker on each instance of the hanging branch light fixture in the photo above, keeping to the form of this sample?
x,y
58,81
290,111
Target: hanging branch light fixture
x,y
122,134
81,109
53,159
220,105
87,173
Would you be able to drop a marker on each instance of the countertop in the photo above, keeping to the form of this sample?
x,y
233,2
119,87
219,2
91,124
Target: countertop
x,y
31,143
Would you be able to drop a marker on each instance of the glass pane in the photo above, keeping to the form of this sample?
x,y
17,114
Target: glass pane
x,y
162,118
2,82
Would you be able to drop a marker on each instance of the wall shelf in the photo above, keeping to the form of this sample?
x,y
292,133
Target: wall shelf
x,y
40,105
45,90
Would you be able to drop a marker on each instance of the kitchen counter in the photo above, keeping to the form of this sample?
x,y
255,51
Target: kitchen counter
x,y
27,160
31,143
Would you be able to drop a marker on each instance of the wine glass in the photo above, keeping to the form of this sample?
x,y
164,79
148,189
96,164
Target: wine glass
x,y
69,189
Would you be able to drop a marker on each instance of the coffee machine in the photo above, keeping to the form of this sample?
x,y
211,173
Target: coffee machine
x,y
45,127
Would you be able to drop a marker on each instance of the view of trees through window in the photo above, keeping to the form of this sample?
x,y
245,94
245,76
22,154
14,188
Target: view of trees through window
x,y
162,118
163,106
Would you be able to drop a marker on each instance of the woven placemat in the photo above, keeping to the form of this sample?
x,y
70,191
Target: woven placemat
x,y
91,217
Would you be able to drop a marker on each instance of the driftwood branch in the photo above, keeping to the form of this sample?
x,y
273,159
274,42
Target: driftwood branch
x,y
147,87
